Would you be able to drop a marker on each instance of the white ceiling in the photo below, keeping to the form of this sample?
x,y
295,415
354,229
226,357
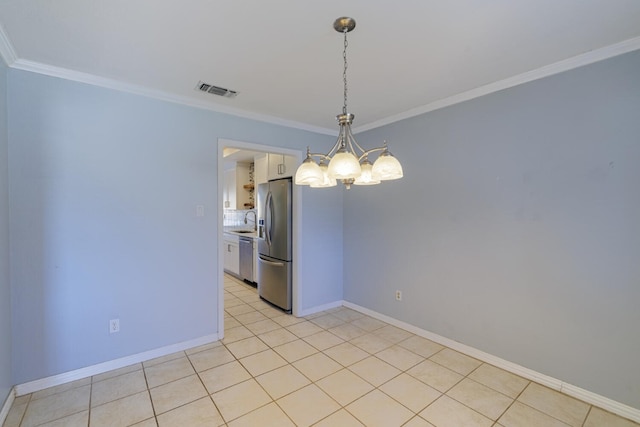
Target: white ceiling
x,y
285,59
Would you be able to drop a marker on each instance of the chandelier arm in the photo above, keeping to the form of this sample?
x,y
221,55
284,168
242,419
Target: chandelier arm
x,y
373,150
352,139
321,156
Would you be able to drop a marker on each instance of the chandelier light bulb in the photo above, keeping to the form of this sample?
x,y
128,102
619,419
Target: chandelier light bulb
x,y
344,165
309,172
326,182
366,178
387,167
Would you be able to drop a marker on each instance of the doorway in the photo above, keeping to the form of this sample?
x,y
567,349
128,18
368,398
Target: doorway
x,y
241,146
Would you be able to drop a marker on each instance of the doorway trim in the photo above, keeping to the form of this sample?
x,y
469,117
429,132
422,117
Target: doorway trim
x,y
297,225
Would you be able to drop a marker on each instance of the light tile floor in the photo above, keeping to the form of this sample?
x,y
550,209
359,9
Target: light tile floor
x,y
335,368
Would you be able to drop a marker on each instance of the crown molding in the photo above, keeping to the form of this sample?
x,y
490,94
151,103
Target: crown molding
x,y
539,73
7,52
91,79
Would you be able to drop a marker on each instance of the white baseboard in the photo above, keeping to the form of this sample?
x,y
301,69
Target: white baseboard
x,y
7,405
41,384
319,308
554,383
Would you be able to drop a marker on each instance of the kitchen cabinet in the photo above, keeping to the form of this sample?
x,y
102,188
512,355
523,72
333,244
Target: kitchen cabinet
x,y
231,254
281,166
236,189
270,166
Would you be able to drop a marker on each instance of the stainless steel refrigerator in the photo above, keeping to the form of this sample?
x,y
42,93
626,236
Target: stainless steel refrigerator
x,y
274,242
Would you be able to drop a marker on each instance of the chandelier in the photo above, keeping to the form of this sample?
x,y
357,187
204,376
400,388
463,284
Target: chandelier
x,y
347,161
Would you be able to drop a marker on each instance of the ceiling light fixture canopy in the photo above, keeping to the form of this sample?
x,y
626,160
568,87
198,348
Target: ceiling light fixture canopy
x,y
347,160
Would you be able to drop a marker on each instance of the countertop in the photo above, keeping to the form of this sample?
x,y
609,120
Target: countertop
x,y
238,232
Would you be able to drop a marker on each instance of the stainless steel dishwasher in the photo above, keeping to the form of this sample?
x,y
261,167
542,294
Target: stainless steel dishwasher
x,y
246,259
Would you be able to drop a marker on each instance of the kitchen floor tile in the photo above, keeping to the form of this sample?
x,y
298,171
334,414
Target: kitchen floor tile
x,y
368,324
239,309
399,357
560,406
376,409
277,337
412,393
346,314
323,340
374,370
446,412
344,386
499,380
247,347
317,366
455,361
282,381
347,331
177,393
434,375
599,418
481,398
118,387
262,362
392,334
81,419
169,371
263,326
56,406
223,376
122,412
341,418
116,372
211,358
236,334
201,413
346,354
304,329
421,346
286,319
251,317
520,415
267,416
240,399
295,350
327,321
308,405
371,343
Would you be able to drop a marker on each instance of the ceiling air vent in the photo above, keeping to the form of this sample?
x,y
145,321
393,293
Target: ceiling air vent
x,y
216,90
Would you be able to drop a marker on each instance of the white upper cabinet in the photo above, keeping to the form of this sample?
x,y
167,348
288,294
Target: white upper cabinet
x,y
237,188
281,166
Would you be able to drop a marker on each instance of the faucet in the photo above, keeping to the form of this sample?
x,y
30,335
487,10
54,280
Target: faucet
x,y
255,219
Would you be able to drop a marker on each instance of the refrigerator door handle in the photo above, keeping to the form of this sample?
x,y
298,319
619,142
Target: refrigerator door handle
x,y
269,219
275,264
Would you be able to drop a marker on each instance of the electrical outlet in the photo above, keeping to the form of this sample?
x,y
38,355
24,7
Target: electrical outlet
x,y
398,295
114,326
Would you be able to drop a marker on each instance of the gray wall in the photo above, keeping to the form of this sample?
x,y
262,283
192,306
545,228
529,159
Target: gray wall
x,y
5,289
103,189
516,228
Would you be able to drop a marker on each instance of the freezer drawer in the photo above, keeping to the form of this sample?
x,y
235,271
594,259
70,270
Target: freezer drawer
x,y
274,281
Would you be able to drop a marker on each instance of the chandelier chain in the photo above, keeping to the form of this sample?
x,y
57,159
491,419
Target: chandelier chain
x,y
344,73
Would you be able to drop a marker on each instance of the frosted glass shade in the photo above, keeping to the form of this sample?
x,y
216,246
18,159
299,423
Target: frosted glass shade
x,y
309,173
387,167
326,181
366,177
344,165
